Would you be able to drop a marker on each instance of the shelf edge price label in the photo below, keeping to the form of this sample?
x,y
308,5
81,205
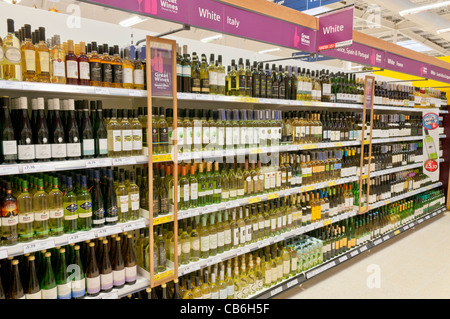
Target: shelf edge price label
x,y
75,238
38,246
9,170
354,253
272,196
276,291
124,161
164,274
136,225
3,253
343,258
254,200
397,232
213,261
109,231
111,295
327,222
160,220
363,248
35,168
292,283
99,90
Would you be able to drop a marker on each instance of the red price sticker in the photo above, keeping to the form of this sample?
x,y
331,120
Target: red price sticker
x,y
431,165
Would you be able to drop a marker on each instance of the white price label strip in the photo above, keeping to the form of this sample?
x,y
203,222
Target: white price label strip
x,y
378,241
292,283
385,237
343,258
363,248
98,163
354,253
124,161
109,231
30,248
9,170
75,238
36,168
276,291
3,254
111,295
213,261
133,226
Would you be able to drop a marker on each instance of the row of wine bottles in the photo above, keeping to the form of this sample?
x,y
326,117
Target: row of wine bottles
x,y
73,271
68,133
33,58
67,202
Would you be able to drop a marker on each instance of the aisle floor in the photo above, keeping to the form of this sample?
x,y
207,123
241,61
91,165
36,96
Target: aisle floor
x,y
415,265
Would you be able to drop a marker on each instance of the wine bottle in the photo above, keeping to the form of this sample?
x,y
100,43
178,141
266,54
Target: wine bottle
x,y
32,287
9,143
72,133
84,202
114,136
111,208
15,285
86,132
100,133
130,262
24,135
56,211
62,279
70,208
48,282
26,215
106,271
98,208
92,273
78,276
122,196
118,266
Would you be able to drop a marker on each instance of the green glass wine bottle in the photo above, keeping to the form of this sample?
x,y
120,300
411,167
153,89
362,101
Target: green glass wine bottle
x,y
70,209
40,209
62,279
26,216
84,203
56,211
78,277
122,196
48,282
32,288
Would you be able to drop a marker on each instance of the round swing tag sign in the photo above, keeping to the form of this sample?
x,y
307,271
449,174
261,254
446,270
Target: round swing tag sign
x,y
430,121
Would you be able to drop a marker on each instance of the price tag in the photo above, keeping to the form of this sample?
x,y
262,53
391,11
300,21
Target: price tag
x,y
251,100
124,161
3,254
405,227
276,291
327,222
111,295
245,250
135,93
309,188
213,261
47,244
309,146
427,217
109,231
272,196
385,237
338,144
9,170
254,200
161,220
363,248
262,244
136,225
36,168
343,258
354,253
100,90
164,274
98,163
397,232
292,283
75,238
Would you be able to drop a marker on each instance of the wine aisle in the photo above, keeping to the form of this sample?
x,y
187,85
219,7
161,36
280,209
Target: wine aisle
x,y
412,265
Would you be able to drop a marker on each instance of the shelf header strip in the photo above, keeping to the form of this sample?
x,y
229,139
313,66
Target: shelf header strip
x,y
217,16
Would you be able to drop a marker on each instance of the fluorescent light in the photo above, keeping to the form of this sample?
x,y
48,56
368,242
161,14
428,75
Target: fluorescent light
x,y
269,50
12,1
414,45
131,21
424,8
209,39
443,30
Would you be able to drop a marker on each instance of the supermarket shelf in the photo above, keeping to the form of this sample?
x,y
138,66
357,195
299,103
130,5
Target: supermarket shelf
x,y
287,192
304,276
65,239
157,220
70,89
11,169
45,88
191,267
400,197
140,284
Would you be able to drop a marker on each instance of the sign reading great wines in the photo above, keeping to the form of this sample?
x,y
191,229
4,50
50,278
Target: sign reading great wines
x,y
335,29
161,68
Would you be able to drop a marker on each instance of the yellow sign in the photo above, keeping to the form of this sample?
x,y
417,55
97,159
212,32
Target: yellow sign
x,y
309,188
254,200
333,183
397,232
162,158
162,219
251,100
272,196
327,222
338,144
163,275
309,146
255,151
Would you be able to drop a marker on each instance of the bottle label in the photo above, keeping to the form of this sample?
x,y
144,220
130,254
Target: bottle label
x,y
88,147
194,191
43,151
56,213
204,243
213,78
1,54
221,79
93,285
106,281
107,72
95,71
213,241
137,140
117,73
12,55
103,146
139,77
227,236
230,290
25,218
127,75
119,277
127,140
78,288
59,150
26,152
134,200
30,60
36,295
85,210
229,136
123,203
130,273
49,293
99,216
72,69
9,148
41,216
111,214
84,71
73,149
115,140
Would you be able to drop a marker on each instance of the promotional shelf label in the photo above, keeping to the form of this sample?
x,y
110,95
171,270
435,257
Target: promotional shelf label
x,y
430,123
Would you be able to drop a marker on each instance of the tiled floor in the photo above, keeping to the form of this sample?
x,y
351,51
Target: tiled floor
x,y
414,265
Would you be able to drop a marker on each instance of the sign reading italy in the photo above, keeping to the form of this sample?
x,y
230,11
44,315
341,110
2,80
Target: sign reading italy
x,y
335,29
